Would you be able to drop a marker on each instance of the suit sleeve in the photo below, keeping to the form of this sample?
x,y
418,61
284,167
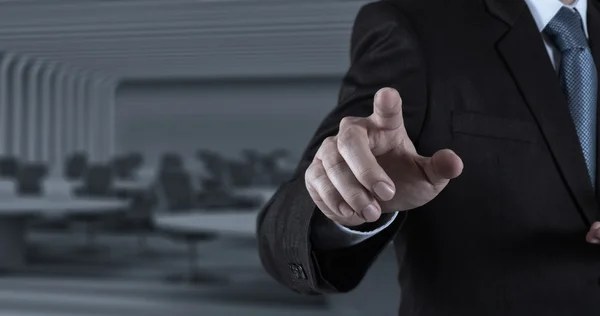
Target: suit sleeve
x,y
384,53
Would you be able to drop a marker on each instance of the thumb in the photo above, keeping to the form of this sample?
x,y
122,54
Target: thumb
x,y
442,167
593,235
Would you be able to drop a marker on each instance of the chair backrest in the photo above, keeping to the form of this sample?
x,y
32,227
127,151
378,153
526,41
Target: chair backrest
x,y
212,185
177,189
218,167
75,166
98,180
136,160
126,165
241,175
30,179
9,167
121,167
170,161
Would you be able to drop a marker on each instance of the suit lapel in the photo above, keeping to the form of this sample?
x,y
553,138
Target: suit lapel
x,y
525,55
594,33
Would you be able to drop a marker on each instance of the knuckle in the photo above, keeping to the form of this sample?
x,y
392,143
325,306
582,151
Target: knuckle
x,y
357,198
326,146
353,130
314,195
336,168
347,122
321,182
312,173
366,173
348,136
332,160
344,211
328,142
309,174
329,192
328,149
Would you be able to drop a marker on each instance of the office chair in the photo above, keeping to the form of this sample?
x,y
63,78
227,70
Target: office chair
x,y
136,161
171,161
177,194
29,180
97,183
217,195
9,167
75,166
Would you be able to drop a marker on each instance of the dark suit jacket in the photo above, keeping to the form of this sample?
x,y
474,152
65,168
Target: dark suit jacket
x,y
508,236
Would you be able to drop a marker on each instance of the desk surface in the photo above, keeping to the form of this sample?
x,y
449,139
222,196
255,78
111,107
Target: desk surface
x,y
264,193
17,205
241,223
118,184
132,184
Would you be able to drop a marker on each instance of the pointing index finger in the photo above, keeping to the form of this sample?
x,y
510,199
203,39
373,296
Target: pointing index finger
x,y
387,109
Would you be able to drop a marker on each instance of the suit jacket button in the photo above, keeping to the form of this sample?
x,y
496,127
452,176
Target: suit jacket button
x,y
301,272
294,270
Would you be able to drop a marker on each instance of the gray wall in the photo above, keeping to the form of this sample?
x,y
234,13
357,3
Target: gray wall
x,y
224,115
143,39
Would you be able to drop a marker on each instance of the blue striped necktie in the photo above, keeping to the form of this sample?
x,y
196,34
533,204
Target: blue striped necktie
x,y
578,78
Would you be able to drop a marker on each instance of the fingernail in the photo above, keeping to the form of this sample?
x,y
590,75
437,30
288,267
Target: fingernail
x,y
370,213
595,241
384,191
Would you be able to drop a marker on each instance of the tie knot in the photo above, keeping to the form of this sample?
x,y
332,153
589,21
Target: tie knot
x,y
566,30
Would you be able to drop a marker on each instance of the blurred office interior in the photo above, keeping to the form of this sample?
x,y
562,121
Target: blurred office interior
x,y
139,139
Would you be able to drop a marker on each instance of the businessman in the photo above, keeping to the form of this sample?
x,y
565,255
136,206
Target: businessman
x,y
466,134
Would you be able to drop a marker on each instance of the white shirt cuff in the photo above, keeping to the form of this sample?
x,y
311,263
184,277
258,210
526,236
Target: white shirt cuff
x,y
368,234
327,234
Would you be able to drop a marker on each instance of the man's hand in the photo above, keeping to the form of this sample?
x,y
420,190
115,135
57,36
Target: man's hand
x,y
371,166
593,236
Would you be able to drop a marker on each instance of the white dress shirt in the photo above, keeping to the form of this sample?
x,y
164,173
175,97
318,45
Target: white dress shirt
x,y
330,235
544,10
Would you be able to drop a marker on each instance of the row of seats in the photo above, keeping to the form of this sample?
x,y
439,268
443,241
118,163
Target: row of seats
x,y
210,190
95,179
255,169
124,166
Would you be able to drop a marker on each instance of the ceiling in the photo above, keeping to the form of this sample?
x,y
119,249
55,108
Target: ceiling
x,y
184,38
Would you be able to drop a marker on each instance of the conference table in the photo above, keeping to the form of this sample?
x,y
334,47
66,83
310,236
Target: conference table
x,y
237,223
232,222
15,211
132,185
265,193
197,225
58,186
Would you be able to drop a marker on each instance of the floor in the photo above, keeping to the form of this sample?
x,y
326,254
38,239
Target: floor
x,y
122,280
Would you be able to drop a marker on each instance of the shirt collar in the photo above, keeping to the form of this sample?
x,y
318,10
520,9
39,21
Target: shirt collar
x,y
544,10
